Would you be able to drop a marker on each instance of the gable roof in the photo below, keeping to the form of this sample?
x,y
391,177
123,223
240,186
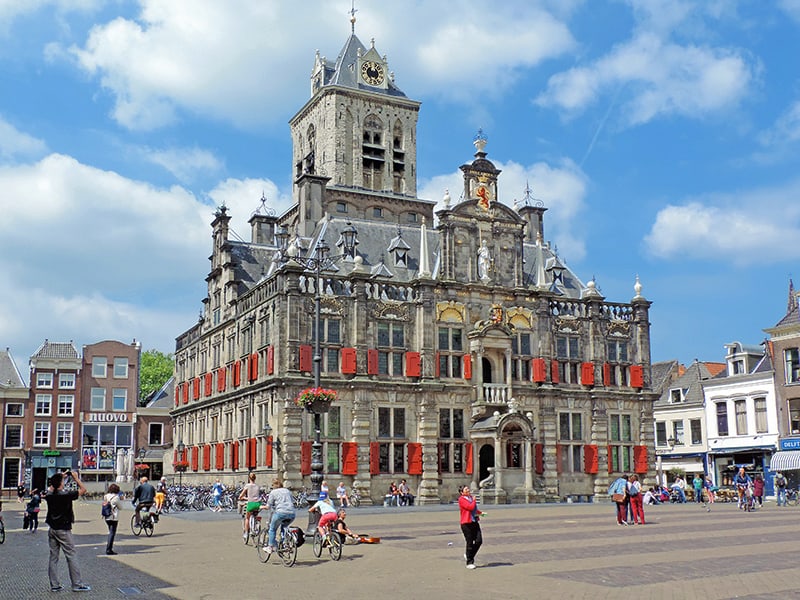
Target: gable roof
x,y
56,350
9,373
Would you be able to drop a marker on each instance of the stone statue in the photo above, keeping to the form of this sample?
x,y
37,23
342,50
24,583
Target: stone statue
x,y
484,261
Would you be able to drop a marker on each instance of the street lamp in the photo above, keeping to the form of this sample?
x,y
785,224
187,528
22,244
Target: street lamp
x,y
317,264
140,455
181,450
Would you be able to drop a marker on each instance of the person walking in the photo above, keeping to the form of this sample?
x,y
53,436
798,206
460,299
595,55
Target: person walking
x,y
60,517
21,492
112,499
710,490
758,489
636,500
216,491
698,484
470,525
618,491
32,509
780,488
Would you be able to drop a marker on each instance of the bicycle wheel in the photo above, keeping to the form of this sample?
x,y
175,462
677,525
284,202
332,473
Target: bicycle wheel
x,y
261,546
317,546
335,546
791,499
288,549
136,529
148,528
2,533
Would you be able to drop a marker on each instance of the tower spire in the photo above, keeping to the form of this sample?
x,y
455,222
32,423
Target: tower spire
x,y
353,11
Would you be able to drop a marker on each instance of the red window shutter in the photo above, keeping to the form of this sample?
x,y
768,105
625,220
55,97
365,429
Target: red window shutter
x,y
306,359
220,462
558,458
222,375
590,458
234,455
374,458
196,388
412,364
349,458
253,366
270,360
606,374
305,457
195,458
414,458
237,373
174,456
268,452
348,361
436,368
177,394
587,373
372,362
207,457
468,460
252,462
637,376
640,459
554,371
538,450
467,363
539,369
610,465
209,384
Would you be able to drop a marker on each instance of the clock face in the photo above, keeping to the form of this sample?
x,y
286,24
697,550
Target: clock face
x,y
372,72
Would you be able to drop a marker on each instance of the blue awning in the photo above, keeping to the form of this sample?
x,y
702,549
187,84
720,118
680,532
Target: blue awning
x,y
787,460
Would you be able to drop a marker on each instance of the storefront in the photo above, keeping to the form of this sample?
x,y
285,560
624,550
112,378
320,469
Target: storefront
x,y
726,462
107,447
787,460
46,463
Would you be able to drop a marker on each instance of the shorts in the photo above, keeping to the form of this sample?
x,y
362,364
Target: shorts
x,y
327,518
253,507
160,496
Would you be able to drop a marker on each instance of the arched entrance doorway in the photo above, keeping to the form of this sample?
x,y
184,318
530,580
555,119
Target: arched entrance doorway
x,y
485,460
486,365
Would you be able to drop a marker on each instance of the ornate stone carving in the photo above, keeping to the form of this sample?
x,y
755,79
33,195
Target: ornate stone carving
x,y
568,324
390,309
519,317
619,328
451,312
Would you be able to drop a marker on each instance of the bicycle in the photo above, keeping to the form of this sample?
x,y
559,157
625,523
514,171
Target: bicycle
x,y
331,541
791,497
255,527
354,499
300,498
2,531
286,543
146,523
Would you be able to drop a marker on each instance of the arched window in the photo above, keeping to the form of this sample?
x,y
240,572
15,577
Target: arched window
x,y
373,153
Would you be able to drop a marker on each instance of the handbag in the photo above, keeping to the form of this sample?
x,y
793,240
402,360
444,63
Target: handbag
x,y
618,497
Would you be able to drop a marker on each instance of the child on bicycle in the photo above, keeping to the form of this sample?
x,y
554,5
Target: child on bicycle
x,y
251,493
327,514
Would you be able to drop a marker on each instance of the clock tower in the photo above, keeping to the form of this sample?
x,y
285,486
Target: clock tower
x,y
358,129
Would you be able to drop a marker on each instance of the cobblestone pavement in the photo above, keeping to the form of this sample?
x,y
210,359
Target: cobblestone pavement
x,y
551,551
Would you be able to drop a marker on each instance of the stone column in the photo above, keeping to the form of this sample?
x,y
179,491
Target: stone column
x,y
428,492
361,413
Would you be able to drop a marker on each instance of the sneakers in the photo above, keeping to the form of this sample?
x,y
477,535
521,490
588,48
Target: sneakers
x,y
56,588
81,588
270,549
471,566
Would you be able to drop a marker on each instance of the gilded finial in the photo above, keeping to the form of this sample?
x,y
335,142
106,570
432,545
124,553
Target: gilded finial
x,y
353,11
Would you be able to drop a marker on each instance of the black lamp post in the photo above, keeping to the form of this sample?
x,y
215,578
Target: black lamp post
x,y
181,450
317,264
140,455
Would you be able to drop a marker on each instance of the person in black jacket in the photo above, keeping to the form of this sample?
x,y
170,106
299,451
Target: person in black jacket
x,y
143,497
60,517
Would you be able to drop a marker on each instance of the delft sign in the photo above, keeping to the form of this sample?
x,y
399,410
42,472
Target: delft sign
x,y
790,444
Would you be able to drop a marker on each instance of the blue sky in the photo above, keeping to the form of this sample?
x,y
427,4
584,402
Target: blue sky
x,y
663,137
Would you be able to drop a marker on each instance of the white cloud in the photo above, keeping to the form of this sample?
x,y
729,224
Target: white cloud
x,y
786,128
791,7
184,163
16,144
243,198
742,228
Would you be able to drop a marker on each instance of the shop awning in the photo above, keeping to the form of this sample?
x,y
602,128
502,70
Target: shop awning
x,y
788,460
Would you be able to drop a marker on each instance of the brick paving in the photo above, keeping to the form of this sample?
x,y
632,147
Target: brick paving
x,y
552,551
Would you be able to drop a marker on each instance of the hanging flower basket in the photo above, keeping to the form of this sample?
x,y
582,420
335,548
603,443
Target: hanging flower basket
x,y
141,467
180,465
315,400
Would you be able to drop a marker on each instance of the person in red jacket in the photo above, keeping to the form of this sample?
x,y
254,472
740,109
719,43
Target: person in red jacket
x,y
470,525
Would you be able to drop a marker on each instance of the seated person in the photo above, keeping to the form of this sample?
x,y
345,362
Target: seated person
x,y
340,527
327,514
406,497
650,497
392,496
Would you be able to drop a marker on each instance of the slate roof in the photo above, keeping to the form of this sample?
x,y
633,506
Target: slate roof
x,y
50,349
9,373
163,397
343,71
662,374
691,384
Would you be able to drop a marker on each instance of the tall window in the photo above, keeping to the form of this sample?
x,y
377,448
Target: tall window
x,y
620,442
391,426
98,399
569,360
155,433
451,440
119,399
120,368
722,418
330,342
66,381
661,433
11,472
99,366
64,434
331,433
44,380
740,407
570,438
13,436
43,405
792,358
617,356
696,427
521,356
66,405
677,432
41,434
451,349
391,348
373,153
760,405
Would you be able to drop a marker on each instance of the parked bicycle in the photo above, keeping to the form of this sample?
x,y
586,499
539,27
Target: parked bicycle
x,y
330,540
301,498
791,497
286,545
354,498
147,521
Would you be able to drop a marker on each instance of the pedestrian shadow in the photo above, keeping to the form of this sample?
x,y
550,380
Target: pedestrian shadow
x,y
497,564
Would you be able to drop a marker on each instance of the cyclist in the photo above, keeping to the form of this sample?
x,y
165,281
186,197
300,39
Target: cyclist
x,y
251,494
143,497
742,481
161,494
327,514
282,504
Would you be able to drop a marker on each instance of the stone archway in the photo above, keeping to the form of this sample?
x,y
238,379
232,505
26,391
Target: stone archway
x,y
486,367
485,461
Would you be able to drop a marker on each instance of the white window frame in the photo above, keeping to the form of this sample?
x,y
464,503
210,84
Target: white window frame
x,y
46,403
68,403
41,434
21,435
152,426
21,410
95,395
44,380
99,367
120,367
117,393
64,434
66,381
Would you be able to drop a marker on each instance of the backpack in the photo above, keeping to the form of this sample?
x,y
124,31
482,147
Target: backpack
x,y
106,510
780,481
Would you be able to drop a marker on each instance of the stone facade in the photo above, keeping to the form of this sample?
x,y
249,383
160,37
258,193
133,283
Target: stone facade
x,y
460,346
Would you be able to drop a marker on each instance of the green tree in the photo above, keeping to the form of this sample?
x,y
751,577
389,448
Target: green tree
x,y
154,371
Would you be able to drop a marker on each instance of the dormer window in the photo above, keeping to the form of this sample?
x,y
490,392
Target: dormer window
x,y
341,207
677,395
737,367
401,258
